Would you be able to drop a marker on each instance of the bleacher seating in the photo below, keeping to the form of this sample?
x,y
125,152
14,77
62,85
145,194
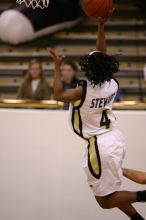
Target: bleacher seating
x,y
126,37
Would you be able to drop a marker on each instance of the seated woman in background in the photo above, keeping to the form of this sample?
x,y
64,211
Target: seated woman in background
x,y
69,76
35,86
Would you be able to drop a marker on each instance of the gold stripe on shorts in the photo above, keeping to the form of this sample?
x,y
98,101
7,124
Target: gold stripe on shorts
x,y
94,162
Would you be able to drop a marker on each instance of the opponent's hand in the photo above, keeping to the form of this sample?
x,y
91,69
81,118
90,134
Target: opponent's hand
x,y
57,59
102,21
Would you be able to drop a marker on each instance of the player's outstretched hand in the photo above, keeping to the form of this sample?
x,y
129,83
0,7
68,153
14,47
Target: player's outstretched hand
x,y
103,20
57,58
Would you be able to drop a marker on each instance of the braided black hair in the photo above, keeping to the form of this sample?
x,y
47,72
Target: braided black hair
x,y
99,67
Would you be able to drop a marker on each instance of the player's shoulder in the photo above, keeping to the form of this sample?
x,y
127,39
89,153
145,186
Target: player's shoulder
x,y
79,103
115,81
82,83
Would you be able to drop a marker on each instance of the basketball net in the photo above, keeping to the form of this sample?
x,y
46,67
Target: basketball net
x,y
35,4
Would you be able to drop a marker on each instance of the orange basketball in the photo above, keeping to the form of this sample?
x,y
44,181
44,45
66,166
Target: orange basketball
x,y
97,8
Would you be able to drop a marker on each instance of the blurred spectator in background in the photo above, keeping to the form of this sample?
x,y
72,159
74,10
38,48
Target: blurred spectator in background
x,y
69,76
35,87
144,71
118,96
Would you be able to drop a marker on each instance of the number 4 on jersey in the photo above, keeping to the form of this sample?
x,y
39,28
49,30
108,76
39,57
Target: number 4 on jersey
x,y
105,121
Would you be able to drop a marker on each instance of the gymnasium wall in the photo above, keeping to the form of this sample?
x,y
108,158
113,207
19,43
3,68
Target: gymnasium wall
x,y
40,166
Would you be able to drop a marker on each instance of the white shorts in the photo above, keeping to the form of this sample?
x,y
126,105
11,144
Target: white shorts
x,y
103,162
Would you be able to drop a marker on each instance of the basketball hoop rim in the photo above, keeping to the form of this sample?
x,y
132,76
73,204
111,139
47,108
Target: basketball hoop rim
x,y
35,4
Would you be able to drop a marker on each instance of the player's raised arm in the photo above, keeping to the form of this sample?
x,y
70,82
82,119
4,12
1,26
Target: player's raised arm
x,y
69,95
101,40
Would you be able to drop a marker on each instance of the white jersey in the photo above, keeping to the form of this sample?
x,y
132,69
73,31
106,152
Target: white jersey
x,y
93,115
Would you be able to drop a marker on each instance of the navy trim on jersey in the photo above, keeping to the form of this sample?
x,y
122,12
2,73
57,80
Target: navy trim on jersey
x,y
80,124
116,81
76,110
82,83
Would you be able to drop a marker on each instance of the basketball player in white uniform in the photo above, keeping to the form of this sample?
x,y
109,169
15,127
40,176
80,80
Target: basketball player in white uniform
x,y
92,119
